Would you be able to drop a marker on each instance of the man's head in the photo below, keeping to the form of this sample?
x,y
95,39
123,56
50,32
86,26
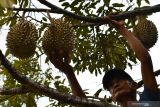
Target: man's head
x,y
115,74
119,83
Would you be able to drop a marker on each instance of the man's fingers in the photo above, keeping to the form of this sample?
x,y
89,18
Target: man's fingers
x,y
60,61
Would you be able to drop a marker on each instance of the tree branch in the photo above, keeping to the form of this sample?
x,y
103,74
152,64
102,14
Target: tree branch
x,y
53,11
35,10
92,20
129,14
13,91
50,92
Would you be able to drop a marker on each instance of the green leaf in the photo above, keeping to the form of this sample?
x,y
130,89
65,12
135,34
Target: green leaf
x,y
129,7
14,1
25,4
57,77
15,101
75,2
147,1
3,21
30,101
6,3
46,60
7,53
100,9
44,19
61,0
106,2
93,5
13,22
97,93
118,5
66,4
5,97
139,2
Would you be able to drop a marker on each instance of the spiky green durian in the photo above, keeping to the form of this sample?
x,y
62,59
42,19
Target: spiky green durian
x,y
146,32
22,39
59,36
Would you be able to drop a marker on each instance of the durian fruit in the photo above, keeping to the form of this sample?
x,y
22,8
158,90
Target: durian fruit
x,y
22,39
59,37
146,32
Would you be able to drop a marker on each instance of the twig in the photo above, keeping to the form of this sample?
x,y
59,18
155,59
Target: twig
x,y
86,25
35,10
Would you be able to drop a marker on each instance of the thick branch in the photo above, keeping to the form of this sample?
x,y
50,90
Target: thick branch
x,y
50,92
100,20
129,14
13,91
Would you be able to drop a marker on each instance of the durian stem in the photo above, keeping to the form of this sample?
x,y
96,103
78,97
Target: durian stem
x,y
141,18
49,16
23,14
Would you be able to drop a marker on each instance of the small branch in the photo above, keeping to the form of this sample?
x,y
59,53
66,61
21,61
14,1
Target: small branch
x,y
34,19
35,10
86,25
13,91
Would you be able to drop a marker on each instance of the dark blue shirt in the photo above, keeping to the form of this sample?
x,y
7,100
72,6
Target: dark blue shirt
x,y
147,95
149,99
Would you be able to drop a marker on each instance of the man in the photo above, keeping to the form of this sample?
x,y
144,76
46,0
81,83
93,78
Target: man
x,y
121,85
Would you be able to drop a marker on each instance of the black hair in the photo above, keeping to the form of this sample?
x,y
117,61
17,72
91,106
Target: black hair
x,y
115,74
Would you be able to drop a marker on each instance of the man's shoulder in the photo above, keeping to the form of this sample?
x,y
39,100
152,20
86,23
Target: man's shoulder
x,y
147,95
149,99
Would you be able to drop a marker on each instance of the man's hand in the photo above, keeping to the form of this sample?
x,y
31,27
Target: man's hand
x,y
119,25
57,59
60,61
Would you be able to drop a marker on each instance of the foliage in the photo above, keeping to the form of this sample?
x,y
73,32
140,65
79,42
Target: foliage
x,y
97,49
